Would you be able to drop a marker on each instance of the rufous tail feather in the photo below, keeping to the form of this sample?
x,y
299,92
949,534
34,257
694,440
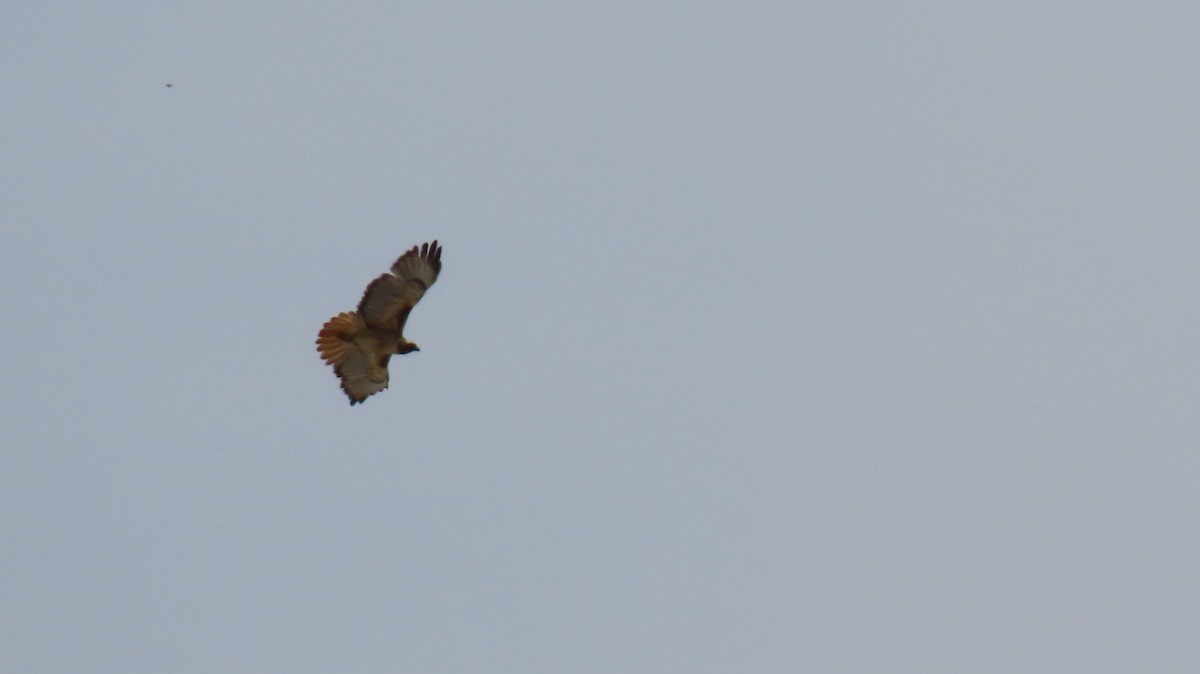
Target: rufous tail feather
x,y
333,340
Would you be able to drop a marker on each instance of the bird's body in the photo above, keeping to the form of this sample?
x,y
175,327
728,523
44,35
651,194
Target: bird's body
x,y
358,344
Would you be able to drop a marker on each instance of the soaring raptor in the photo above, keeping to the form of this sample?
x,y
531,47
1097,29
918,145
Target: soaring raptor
x,y
359,343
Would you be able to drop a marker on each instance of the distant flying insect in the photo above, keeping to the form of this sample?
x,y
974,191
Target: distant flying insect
x,y
359,343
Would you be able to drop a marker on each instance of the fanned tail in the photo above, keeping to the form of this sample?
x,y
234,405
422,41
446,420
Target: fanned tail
x,y
333,340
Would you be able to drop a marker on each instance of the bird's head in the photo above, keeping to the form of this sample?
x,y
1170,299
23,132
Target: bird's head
x,y
407,347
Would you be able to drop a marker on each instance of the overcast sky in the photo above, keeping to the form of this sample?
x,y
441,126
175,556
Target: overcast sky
x,y
771,337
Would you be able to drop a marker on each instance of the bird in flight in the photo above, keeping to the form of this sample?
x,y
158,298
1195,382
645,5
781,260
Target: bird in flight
x,y
359,343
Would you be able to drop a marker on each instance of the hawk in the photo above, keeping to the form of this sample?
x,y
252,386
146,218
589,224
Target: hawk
x,y
359,343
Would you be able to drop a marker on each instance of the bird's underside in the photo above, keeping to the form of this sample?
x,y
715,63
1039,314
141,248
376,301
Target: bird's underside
x,y
359,344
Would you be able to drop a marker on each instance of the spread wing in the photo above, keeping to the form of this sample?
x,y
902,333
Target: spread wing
x,y
347,344
388,299
363,374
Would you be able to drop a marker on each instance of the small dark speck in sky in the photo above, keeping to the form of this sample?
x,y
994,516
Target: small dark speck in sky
x,y
168,85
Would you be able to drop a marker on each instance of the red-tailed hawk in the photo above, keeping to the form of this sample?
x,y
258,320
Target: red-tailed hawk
x,y
359,343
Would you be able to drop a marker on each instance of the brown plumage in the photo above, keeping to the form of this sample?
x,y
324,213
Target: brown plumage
x,y
358,344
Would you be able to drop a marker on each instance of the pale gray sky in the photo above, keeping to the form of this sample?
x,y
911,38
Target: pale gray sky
x,y
772,337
